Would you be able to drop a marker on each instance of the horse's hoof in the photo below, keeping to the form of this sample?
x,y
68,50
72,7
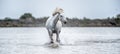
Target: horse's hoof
x,y
58,41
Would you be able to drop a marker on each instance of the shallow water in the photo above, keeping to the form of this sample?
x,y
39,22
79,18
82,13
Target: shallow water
x,y
75,40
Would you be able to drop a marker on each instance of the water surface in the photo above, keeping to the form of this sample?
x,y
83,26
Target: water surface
x,y
75,40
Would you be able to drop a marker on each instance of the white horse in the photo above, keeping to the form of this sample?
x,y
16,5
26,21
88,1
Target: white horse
x,y
54,24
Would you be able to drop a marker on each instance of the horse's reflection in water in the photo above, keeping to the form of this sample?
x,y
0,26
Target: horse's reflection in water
x,y
54,25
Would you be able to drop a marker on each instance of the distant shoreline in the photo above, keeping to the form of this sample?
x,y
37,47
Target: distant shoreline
x,y
27,20
71,23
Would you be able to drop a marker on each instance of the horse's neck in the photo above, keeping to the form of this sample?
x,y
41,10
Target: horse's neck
x,y
55,19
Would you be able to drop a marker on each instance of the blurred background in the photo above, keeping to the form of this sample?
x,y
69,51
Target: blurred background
x,y
80,13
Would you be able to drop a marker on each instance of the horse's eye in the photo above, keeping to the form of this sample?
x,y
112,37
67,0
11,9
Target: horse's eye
x,y
61,16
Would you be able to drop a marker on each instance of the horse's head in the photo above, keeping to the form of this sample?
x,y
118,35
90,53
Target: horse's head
x,y
63,18
58,12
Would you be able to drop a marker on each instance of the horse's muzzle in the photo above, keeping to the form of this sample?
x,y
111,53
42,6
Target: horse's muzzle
x,y
65,22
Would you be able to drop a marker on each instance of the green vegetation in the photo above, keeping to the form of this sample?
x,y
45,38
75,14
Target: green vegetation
x,y
26,15
8,19
117,19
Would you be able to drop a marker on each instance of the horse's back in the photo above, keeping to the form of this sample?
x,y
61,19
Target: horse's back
x,y
48,22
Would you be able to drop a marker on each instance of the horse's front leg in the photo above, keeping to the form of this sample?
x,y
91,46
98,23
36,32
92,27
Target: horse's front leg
x,y
57,37
50,35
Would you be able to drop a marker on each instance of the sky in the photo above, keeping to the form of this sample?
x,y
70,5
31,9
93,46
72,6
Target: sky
x,y
72,8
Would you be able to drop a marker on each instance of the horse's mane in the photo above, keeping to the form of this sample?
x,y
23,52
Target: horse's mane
x,y
57,10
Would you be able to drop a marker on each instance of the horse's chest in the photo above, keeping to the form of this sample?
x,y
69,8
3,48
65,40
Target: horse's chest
x,y
54,26
54,31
